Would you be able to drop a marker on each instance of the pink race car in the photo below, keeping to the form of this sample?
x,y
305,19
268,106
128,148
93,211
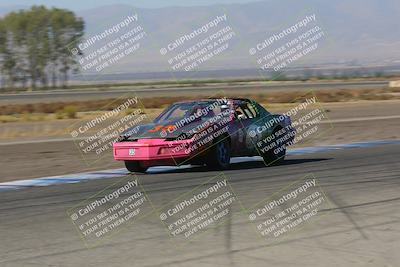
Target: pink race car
x,y
209,131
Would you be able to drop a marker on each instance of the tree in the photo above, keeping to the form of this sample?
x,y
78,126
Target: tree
x,y
66,30
34,45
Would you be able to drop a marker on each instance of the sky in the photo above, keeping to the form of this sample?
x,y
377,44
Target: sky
x,y
86,4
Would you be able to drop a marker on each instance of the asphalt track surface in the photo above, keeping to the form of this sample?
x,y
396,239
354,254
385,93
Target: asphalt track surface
x,y
81,95
360,228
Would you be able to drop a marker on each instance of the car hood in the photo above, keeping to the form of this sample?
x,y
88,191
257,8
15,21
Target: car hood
x,y
159,130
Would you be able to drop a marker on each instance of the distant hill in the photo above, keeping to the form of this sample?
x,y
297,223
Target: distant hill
x,y
357,31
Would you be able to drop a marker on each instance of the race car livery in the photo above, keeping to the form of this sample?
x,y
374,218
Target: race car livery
x,y
206,131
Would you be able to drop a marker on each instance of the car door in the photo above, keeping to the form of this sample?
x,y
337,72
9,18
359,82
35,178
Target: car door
x,y
246,117
258,128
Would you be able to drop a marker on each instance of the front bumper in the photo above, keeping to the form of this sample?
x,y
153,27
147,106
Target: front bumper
x,y
152,149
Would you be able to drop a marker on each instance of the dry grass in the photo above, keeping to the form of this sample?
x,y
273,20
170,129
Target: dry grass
x,y
61,110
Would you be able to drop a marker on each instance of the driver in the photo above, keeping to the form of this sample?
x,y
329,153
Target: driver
x,y
194,111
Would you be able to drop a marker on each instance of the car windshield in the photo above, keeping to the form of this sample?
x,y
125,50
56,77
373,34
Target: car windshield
x,y
178,111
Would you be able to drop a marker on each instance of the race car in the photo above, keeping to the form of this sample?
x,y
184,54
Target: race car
x,y
206,131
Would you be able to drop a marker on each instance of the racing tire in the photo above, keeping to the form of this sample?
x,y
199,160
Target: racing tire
x,y
134,166
270,158
219,156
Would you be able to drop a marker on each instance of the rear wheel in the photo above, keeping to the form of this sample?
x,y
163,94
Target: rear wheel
x,y
134,166
219,156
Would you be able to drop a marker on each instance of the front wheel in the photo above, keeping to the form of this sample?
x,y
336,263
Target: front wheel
x,y
219,156
134,166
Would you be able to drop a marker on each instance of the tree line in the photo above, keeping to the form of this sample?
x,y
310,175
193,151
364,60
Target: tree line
x,y
35,47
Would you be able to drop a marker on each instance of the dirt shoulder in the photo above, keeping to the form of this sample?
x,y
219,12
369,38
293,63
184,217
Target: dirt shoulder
x,y
56,129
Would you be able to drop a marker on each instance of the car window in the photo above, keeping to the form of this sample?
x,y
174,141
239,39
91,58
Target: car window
x,y
248,112
204,110
253,110
239,112
174,111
